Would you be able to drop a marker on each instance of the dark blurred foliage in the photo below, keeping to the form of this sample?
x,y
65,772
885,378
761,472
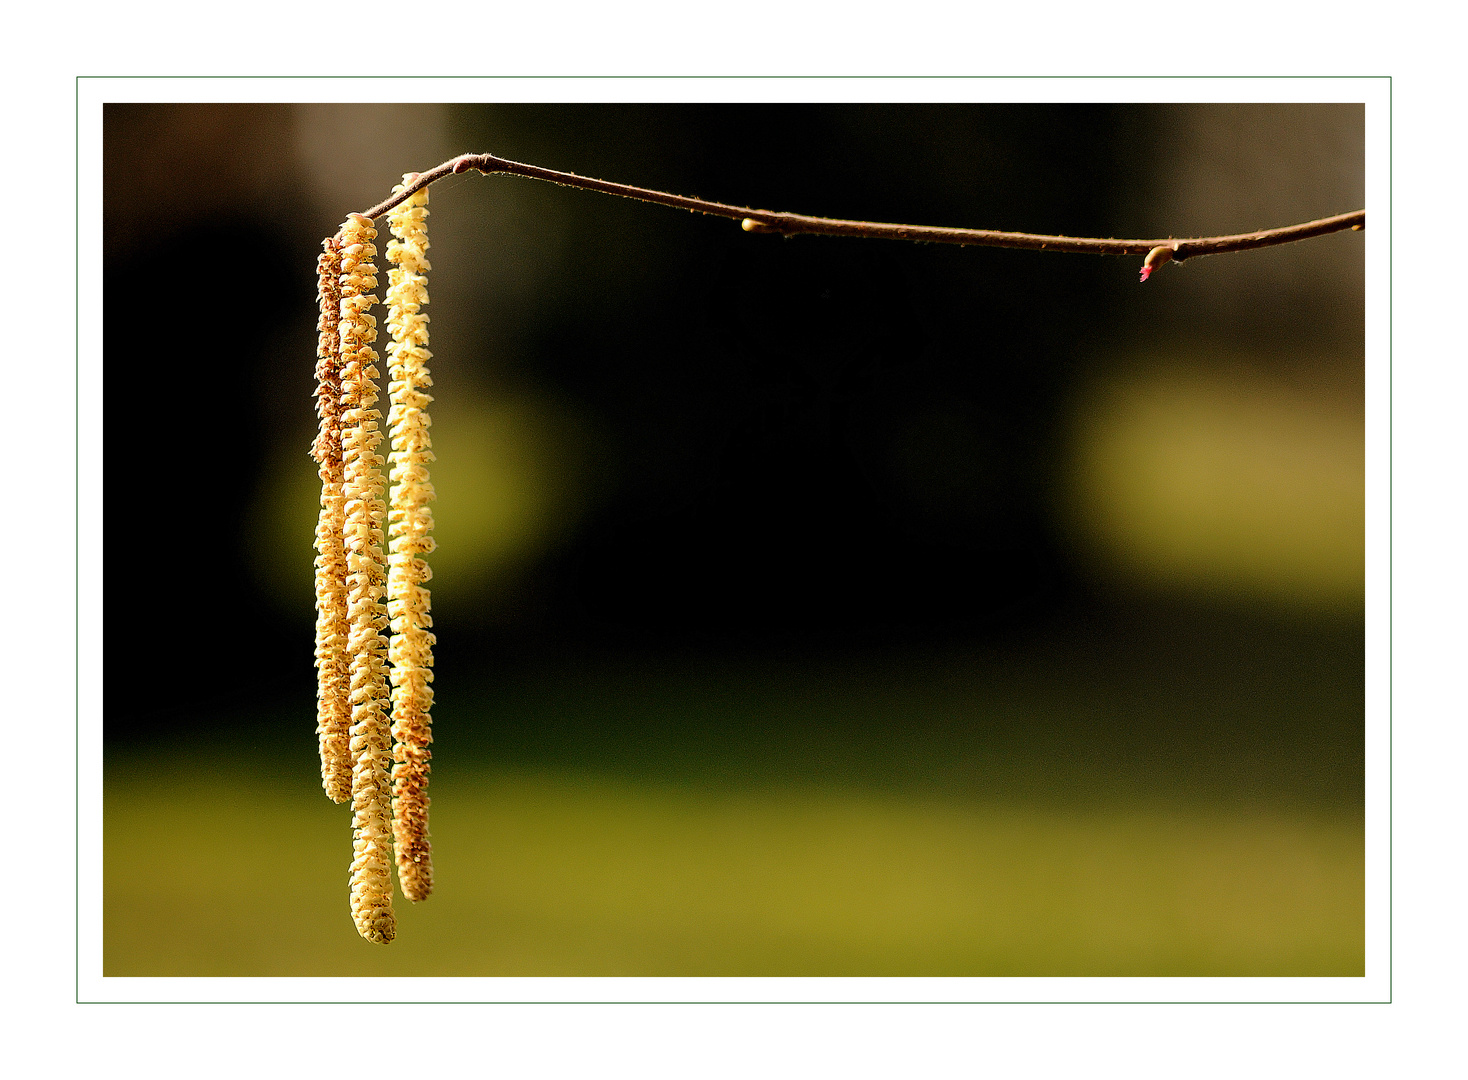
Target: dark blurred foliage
x,y
806,447
812,399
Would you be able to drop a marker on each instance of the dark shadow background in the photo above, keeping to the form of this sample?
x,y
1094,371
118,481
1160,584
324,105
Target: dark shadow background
x,y
809,499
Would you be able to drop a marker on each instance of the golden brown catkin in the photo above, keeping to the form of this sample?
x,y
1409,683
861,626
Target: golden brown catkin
x,y
409,523
371,741
333,675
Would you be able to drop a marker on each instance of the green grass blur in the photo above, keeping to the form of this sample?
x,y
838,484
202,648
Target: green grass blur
x,y
682,822
564,875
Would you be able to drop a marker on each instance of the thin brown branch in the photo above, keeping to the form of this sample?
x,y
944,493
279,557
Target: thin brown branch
x,y
767,221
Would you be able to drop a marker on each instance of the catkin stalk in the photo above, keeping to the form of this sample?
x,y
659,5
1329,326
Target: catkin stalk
x,y
370,744
333,675
409,524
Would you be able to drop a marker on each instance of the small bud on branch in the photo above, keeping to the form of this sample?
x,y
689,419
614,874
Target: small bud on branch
x,y
1158,256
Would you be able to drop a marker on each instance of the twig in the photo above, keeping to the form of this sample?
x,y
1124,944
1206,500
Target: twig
x,y
767,221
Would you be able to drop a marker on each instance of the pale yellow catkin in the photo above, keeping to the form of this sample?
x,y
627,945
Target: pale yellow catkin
x,y
409,524
333,675
371,739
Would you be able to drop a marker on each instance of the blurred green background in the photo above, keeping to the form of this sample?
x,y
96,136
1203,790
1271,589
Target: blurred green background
x,y
805,607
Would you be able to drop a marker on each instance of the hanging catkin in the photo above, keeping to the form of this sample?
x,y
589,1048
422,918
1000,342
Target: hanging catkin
x,y
409,524
371,745
333,675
